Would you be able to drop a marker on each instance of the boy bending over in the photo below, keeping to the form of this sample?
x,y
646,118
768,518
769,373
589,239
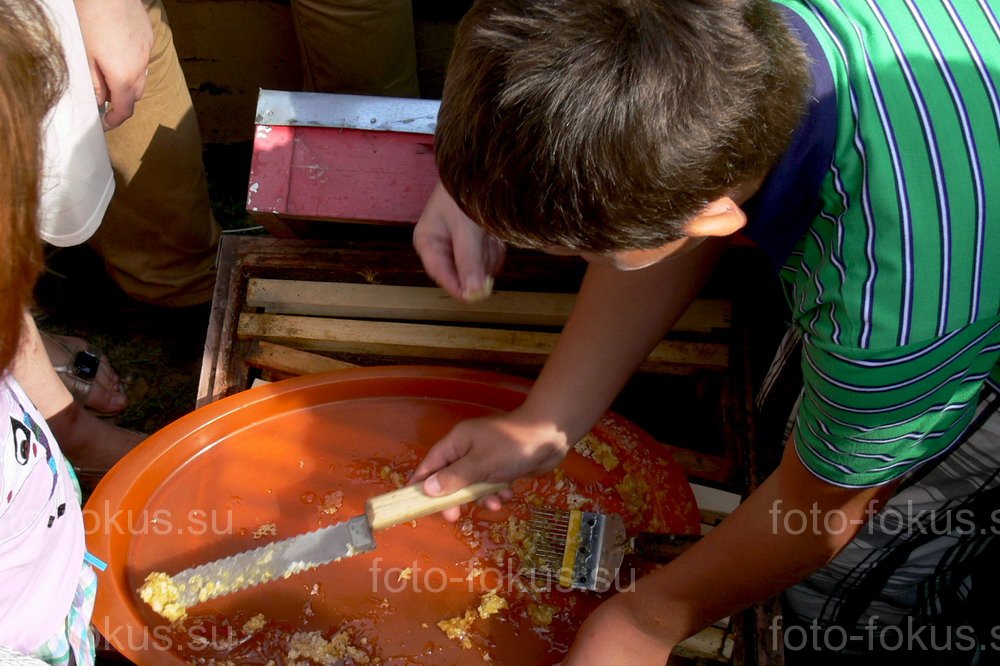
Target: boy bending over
x,y
857,143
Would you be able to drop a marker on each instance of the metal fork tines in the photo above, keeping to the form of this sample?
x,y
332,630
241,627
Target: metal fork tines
x,y
549,530
580,549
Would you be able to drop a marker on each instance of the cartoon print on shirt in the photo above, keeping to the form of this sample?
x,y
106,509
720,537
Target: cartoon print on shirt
x,y
25,447
22,441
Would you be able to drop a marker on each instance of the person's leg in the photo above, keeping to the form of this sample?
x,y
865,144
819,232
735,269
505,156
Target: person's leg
x,y
159,238
357,46
91,444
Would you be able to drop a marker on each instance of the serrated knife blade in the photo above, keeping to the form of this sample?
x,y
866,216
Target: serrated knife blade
x,y
279,559
287,557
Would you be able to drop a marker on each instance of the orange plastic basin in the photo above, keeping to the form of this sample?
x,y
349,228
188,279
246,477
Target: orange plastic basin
x,y
308,452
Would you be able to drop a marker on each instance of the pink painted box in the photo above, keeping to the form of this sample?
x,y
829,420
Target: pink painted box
x,y
327,157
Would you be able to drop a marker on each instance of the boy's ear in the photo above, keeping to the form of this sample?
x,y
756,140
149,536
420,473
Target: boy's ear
x,y
722,217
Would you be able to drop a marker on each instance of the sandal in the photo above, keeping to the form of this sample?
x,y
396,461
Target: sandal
x,y
80,371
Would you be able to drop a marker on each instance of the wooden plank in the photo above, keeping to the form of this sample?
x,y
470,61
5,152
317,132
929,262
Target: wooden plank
x,y
278,226
213,334
376,301
215,379
770,649
714,504
451,342
706,466
269,356
711,643
384,255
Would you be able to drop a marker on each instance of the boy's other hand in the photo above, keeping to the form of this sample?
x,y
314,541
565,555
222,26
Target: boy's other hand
x,y
456,253
494,449
118,36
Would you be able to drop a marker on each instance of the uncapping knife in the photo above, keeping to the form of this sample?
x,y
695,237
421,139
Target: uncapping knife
x,y
171,596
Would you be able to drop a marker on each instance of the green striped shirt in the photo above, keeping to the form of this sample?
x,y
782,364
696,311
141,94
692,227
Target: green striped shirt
x,y
895,286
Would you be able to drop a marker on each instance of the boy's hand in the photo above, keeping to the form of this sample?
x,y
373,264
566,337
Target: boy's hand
x,y
498,448
118,37
455,252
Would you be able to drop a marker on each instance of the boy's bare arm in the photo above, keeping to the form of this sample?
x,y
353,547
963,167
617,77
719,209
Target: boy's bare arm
x,y
618,317
791,526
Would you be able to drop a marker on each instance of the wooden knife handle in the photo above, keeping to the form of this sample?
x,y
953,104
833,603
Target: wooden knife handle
x,y
408,503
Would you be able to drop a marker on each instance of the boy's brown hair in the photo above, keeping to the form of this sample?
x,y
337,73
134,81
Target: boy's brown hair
x,y
32,74
605,125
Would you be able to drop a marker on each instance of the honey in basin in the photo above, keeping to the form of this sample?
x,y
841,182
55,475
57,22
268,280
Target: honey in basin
x,y
288,458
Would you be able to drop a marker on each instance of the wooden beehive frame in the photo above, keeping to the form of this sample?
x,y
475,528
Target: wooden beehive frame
x,y
263,280
420,322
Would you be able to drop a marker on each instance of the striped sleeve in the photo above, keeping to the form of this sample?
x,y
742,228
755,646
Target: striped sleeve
x,y
867,417
894,287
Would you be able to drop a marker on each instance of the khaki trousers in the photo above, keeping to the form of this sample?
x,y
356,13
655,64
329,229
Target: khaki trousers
x,y
158,238
357,46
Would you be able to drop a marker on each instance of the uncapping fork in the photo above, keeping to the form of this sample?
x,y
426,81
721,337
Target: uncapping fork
x,y
584,550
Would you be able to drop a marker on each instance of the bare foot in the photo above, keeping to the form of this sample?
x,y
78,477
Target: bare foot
x,y
104,394
92,445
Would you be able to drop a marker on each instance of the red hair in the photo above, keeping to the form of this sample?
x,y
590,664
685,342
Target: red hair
x,y
32,74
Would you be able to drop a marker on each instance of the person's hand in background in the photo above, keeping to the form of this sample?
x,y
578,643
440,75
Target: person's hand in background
x,y
118,36
456,253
